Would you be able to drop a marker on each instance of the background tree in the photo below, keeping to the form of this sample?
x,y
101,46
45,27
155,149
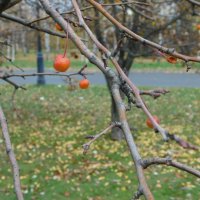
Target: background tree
x,y
167,23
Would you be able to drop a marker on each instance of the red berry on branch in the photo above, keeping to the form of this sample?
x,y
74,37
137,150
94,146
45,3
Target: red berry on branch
x,y
171,59
84,84
61,64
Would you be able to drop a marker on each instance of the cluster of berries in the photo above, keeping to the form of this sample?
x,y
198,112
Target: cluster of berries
x,y
62,64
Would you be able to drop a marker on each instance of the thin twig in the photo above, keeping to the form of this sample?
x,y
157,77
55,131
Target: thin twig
x,y
154,93
90,7
86,146
33,26
80,72
10,60
15,85
141,13
6,76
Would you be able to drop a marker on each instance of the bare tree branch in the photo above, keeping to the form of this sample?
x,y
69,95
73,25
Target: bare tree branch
x,y
15,85
86,146
116,95
139,38
134,89
136,10
154,93
130,141
90,7
33,26
5,76
182,142
11,156
169,162
164,26
114,83
10,60
194,2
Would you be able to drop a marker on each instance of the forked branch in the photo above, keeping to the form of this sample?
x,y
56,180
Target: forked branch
x,y
108,54
93,138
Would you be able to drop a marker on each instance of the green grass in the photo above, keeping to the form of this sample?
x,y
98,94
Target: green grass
x,y
29,61
32,63
48,128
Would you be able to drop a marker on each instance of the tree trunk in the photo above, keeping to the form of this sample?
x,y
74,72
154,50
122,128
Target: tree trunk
x,y
47,46
117,133
13,47
8,48
57,43
126,61
24,42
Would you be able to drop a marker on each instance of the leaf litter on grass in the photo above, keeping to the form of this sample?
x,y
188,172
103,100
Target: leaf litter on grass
x,y
49,135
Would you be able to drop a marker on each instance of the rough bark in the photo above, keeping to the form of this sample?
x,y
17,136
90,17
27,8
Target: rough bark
x,y
11,155
117,133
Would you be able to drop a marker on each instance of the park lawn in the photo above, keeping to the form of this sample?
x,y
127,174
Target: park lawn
x,y
48,129
141,64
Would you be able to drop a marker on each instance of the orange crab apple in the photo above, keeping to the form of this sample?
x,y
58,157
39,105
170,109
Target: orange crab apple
x,y
61,63
198,26
58,27
149,123
84,84
171,59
